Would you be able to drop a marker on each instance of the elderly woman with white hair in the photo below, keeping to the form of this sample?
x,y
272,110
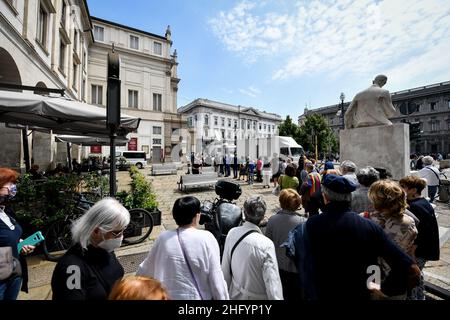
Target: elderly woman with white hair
x,y
89,269
431,174
360,198
249,261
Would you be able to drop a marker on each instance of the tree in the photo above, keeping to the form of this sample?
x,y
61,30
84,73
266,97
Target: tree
x,y
288,128
316,124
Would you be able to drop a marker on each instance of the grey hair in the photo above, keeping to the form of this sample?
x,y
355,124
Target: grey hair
x,y
427,160
254,209
348,166
334,196
368,175
107,214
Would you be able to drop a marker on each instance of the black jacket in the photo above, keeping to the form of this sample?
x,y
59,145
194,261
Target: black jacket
x,y
427,240
342,247
85,274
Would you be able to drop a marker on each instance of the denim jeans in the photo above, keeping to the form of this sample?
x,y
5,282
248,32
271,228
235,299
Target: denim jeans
x,y
10,289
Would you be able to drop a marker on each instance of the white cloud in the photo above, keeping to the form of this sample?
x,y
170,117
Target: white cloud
x,y
342,36
251,91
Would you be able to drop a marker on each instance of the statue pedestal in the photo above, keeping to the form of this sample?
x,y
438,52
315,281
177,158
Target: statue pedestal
x,y
380,146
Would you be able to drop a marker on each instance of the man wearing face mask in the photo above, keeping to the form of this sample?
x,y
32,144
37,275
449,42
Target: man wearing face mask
x,y
10,234
89,269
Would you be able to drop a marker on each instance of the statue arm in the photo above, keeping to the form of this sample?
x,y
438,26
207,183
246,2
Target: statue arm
x,y
388,107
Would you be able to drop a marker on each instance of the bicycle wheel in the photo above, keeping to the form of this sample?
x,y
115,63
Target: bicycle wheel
x,y
140,227
57,240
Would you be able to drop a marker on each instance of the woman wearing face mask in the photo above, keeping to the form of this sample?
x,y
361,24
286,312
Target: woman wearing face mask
x,y
89,269
10,234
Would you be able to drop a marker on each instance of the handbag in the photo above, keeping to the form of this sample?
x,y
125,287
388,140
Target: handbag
x,y
9,265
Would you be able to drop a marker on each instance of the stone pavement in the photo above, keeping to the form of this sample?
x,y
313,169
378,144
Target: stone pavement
x,y
167,192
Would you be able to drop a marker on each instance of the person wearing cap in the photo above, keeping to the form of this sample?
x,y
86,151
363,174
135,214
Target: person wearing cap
x,y
336,252
249,262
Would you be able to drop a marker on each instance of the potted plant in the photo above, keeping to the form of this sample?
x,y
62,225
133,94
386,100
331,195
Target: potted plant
x,y
140,196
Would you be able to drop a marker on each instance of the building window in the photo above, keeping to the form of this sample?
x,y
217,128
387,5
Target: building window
x,y
433,106
248,124
229,134
157,141
206,120
229,123
158,130
63,15
260,126
157,48
243,124
189,122
157,102
434,125
75,41
222,120
99,33
265,127
254,125
75,76
62,57
235,124
216,121
97,94
223,134
134,42
195,118
269,127
83,90
42,26
206,132
273,128
133,99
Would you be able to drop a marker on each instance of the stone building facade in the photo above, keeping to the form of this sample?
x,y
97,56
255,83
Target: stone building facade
x,y
43,43
218,121
57,44
429,105
148,73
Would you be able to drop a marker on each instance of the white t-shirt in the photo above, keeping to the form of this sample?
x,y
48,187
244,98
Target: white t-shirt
x,y
430,174
165,262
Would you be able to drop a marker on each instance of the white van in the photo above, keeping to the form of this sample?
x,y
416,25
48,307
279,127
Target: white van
x,y
137,158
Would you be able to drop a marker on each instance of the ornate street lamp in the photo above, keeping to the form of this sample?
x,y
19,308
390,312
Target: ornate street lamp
x,y
342,110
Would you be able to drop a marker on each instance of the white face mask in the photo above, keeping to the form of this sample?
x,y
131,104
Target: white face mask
x,y
111,244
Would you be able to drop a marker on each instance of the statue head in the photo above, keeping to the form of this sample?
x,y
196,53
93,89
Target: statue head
x,y
380,80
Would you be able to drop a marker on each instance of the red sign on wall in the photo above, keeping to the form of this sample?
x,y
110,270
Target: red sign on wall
x,y
96,149
132,144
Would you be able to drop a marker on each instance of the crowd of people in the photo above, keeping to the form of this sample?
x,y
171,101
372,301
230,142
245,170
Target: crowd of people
x,y
357,224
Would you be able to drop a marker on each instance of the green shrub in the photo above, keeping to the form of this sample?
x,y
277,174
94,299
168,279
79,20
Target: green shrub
x,y
141,194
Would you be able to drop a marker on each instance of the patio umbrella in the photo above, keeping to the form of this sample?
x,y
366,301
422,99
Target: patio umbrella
x,y
89,141
59,114
62,115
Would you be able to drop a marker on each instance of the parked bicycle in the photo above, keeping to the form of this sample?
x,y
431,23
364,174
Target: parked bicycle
x,y
58,236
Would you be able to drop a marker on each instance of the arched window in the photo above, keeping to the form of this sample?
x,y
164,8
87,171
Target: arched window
x,y
206,120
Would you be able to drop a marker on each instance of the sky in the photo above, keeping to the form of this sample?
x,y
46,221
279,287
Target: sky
x,y
281,56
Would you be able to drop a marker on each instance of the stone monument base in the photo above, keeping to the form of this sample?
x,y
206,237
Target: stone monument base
x,y
380,147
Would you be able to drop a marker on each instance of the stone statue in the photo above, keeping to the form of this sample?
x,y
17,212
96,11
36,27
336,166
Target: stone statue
x,y
370,107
